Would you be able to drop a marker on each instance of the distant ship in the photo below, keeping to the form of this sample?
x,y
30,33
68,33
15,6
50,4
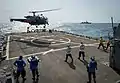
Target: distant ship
x,y
85,22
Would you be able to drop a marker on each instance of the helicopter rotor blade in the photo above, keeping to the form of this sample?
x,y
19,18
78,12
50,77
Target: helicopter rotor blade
x,y
45,10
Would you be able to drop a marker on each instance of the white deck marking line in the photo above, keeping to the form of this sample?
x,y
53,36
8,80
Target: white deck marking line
x,y
45,52
31,36
27,55
13,81
33,42
62,43
7,48
105,63
86,44
54,44
91,44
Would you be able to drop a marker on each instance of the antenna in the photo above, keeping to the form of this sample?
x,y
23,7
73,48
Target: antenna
x,y
112,21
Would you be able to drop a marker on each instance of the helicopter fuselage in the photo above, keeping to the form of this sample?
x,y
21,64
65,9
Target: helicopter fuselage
x,y
33,20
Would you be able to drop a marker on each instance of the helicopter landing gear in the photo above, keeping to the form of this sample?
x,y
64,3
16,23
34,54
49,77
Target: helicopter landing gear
x,y
44,26
44,30
36,26
28,29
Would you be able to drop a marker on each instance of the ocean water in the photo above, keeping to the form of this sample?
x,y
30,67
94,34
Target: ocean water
x,y
93,30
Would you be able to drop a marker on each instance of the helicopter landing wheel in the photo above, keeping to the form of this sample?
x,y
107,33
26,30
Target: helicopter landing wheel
x,y
36,26
44,26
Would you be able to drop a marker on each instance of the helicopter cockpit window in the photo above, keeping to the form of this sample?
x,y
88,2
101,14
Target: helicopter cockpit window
x,y
41,16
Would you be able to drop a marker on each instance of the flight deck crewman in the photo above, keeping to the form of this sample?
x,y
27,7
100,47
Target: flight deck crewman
x,y
108,44
82,52
68,50
20,64
92,67
101,43
34,60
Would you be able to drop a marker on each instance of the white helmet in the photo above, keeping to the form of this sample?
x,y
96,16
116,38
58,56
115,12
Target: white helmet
x,y
92,58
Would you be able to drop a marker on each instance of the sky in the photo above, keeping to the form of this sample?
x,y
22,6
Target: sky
x,y
96,11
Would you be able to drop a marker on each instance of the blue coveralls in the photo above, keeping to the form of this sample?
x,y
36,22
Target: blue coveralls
x,y
20,64
34,66
92,66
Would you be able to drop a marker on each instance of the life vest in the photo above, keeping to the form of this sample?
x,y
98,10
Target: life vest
x,y
82,47
33,62
92,66
68,50
101,40
20,64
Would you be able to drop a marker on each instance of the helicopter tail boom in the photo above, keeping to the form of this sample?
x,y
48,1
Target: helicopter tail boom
x,y
21,20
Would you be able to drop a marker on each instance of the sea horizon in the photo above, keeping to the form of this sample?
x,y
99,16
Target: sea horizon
x,y
94,30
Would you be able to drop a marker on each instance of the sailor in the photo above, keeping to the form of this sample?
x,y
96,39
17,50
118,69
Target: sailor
x,y
101,43
34,60
108,44
82,52
92,67
68,53
20,64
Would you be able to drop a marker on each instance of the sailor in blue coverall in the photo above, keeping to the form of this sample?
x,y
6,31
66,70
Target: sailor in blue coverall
x,y
20,64
92,67
34,60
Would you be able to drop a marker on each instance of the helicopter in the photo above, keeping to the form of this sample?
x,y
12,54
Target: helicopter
x,y
35,19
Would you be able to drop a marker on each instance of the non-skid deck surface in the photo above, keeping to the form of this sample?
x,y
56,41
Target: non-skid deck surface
x,y
52,67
